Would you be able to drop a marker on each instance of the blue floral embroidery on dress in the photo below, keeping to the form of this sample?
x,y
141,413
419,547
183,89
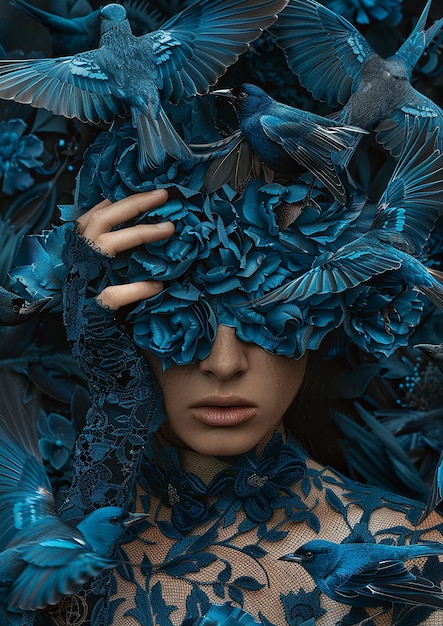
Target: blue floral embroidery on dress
x,y
302,607
259,485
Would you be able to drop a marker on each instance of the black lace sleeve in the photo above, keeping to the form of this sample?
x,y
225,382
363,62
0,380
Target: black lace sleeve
x,y
125,400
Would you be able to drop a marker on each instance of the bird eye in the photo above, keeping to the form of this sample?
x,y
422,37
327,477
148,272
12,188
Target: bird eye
x,y
309,555
115,520
242,95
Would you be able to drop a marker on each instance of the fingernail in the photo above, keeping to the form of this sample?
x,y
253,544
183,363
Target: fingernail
x,y
164,225
158,190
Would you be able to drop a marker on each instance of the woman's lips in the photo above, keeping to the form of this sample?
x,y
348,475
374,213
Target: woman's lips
x,y
228,411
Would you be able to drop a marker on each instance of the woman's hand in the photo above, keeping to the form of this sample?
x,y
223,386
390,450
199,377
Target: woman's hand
x,y
125,399
97,225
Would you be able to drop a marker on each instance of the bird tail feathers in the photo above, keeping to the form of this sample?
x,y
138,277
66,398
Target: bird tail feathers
x,y
157,137
420,38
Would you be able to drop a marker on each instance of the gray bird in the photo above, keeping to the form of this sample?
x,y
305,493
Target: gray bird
x,y
15,310
129,74
338,66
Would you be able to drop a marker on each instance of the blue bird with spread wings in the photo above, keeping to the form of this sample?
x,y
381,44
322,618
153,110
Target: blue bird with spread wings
x,y
42,559
279,138
405,217
136,75
369,574
338,66
69,35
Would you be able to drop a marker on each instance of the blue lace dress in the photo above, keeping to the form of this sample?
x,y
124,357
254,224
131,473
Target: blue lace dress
x,y
217,526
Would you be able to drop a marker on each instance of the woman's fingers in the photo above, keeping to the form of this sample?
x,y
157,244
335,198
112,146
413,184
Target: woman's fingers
x,y
127,238
97,226
116,296
105,216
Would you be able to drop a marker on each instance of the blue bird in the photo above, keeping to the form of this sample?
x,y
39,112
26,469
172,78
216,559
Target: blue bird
x,y
338,66
42,559
369,574
405,217
15,310
129,74
278,138
69,35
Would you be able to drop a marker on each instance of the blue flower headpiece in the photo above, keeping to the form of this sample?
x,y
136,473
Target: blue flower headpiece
x,y
227,251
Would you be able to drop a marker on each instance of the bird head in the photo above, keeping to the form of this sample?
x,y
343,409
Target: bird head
x,y
113,12
246,97
14,309
314,556
103,527
113,16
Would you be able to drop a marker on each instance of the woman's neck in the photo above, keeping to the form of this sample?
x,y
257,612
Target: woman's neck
x,y
202,465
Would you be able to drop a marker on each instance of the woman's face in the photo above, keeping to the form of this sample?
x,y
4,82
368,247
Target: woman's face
x,y
227,403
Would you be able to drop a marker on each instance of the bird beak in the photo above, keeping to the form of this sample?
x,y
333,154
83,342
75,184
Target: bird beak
x,y
29,308
224,93
135,517
294,558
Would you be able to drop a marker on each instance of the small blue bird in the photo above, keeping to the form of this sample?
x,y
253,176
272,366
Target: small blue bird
x,y
338,66
369,574
15,310
129,74
69,35
286,140
405,217
42,559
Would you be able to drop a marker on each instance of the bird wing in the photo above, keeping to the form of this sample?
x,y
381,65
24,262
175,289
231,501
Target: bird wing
x,y
25,490
310,141
52,20
420,38
54,568
324,49
73,86
412,200
392,133
348,267
393,582
232,160
194,48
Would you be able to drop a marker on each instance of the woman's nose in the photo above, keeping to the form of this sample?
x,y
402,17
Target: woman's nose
x,y
228,357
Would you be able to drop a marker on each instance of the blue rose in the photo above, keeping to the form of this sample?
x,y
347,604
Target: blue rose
x,y
19,154
382,322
